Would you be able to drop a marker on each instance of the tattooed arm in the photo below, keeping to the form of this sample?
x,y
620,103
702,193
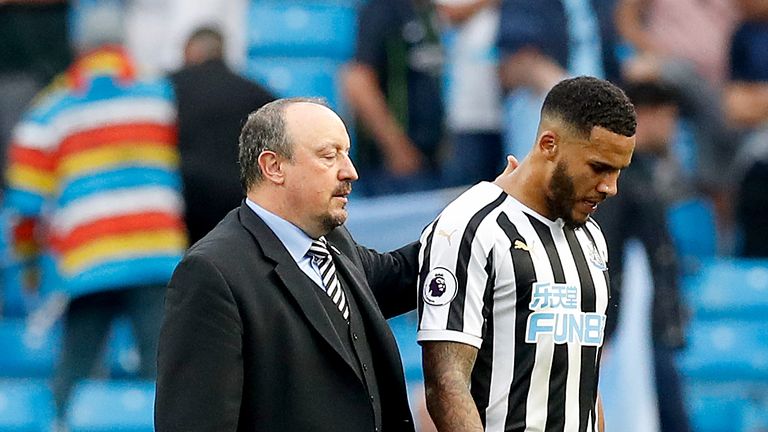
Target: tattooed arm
x,y
447,371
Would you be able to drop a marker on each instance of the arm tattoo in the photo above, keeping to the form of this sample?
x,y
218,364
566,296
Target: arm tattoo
x,y
447,372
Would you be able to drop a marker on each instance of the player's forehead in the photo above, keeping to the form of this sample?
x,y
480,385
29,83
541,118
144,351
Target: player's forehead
x,y
609,148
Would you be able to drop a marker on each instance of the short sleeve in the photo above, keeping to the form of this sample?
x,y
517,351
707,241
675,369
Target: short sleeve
x,y
457,269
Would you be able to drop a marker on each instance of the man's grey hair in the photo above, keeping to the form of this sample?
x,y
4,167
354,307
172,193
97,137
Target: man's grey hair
x,y
265,130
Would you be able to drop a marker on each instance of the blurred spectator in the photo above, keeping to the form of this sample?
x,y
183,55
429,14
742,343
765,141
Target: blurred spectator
x,y
34,47
93,180
692,30
747,108
747,91
752,197
393,86
639,212
541,43
156,31
213,103
474,94
684,43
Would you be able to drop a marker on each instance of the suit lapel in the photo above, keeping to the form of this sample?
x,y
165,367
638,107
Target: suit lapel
x,y
294,281
358,283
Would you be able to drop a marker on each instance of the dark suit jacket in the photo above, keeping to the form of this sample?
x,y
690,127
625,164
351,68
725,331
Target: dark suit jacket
x,y
213,104
246,344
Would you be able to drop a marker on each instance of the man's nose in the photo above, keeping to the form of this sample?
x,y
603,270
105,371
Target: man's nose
x,y
347,171
609,184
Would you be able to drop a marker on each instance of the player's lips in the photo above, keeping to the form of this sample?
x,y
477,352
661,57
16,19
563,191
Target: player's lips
x,y
591,204
343,195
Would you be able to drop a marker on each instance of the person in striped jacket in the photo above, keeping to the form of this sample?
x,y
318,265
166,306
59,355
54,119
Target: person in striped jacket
x,y
93,187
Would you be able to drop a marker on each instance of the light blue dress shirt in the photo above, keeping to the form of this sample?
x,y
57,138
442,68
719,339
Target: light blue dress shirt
x,y
295,240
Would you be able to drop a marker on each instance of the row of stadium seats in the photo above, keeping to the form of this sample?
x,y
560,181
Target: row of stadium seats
x,y
299,47
96,406
729,288
725,363
301,29
31,353
727,408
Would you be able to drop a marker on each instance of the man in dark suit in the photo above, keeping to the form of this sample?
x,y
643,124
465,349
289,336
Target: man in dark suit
x,y
275,320
213,104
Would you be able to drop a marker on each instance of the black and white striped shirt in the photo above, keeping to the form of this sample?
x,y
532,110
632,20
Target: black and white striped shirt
x,y
531,294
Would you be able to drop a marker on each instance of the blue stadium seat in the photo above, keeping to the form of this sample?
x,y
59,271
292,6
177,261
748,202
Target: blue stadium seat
x,y
114,406
717,413
756,417
735,288
693,229
726,350
23,354
25,406
301,29
288,77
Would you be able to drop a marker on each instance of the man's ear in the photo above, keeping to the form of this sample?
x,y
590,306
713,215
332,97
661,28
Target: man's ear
x,y
271,165
548,143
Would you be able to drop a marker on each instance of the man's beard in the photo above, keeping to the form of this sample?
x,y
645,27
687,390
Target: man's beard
x,y
561,196
329,221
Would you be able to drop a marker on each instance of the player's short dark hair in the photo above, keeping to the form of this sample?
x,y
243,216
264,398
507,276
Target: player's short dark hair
x,y
265,130
585,102
650,93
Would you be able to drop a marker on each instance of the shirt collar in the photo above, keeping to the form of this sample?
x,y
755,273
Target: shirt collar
x,y
295,240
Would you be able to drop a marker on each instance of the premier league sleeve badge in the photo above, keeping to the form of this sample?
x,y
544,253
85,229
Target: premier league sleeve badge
x,y
439,287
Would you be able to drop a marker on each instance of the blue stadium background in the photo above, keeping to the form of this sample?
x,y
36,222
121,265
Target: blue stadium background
x,y
297,49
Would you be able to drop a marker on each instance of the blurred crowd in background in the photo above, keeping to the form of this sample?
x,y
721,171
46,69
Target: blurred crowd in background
x,y
119,123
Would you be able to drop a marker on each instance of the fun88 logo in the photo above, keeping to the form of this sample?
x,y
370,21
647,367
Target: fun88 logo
x,y
556,312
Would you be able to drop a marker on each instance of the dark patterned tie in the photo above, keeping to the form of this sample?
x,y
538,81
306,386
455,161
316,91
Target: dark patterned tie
x,y
319,253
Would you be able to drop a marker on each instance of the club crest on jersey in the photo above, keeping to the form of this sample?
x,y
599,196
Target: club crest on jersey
x,y
597,259
439,287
